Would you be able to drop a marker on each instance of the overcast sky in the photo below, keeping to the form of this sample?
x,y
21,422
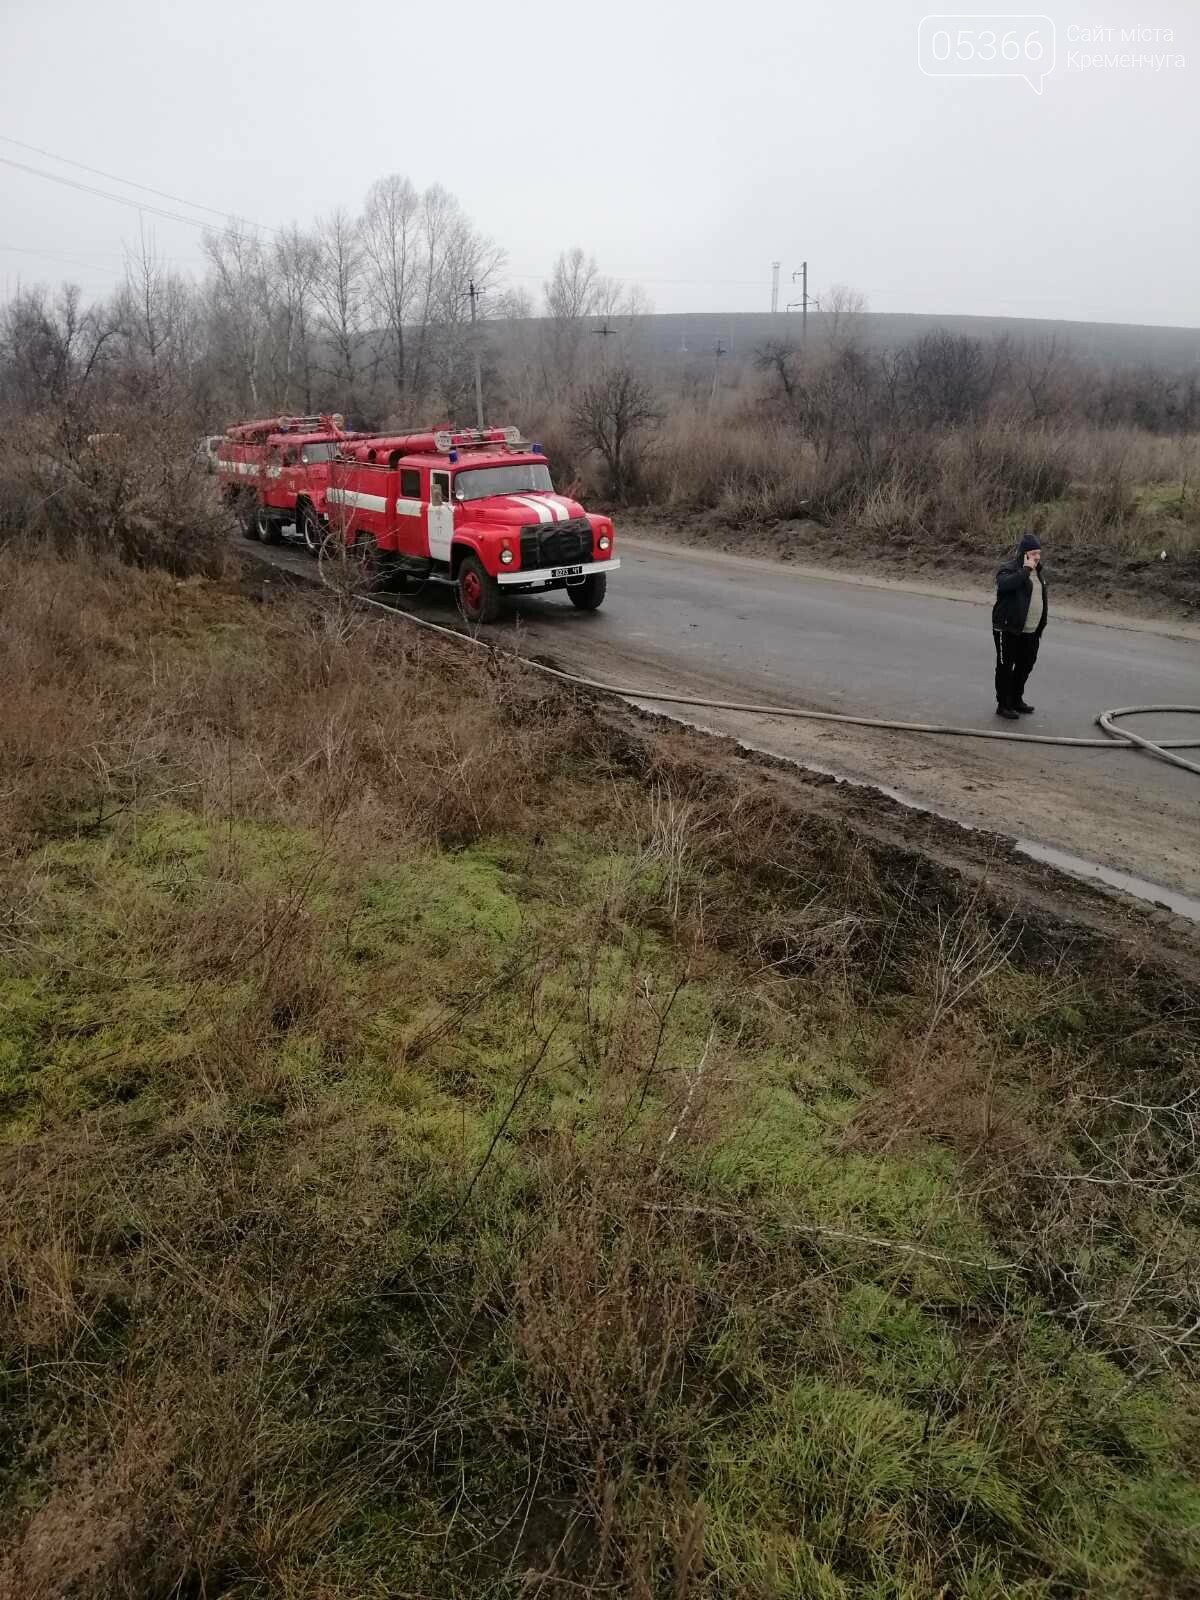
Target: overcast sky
x,y
686,145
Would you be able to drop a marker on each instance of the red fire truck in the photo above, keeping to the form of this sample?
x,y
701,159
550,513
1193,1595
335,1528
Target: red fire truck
x,y
475,508
276,471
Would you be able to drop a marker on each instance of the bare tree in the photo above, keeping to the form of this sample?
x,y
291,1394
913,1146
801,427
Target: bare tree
x,y
839,403
575,295
338,291
621,302
946,380
296,265
843,309
434,222
781,360
512,305
53,352
463,275
610,415
240,307
390,234
572,294
1042,371
158,315
573,289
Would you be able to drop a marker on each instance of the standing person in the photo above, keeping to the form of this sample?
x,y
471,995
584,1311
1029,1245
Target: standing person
x,y
1018,622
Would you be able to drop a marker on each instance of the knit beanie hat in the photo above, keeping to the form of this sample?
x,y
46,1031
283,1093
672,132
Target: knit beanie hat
x,y
1029,541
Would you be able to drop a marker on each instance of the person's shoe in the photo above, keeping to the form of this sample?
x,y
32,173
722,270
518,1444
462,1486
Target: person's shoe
x,y
1008,713
1026,711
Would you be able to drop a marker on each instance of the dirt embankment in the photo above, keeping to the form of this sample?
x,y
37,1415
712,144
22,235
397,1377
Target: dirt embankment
x,y
1096,579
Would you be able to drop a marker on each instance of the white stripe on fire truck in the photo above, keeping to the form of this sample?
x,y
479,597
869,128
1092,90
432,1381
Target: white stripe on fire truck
x,y
248,468
559,510
353,497
544,514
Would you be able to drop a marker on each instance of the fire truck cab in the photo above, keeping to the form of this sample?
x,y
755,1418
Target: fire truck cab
x,y
475,508
276,471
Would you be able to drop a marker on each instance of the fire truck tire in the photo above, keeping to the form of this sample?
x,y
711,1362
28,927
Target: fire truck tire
x,y
266,526
311,531
247,515
589,595
478,592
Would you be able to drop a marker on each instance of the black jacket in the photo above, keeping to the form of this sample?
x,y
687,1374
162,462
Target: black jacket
x,y
1014,591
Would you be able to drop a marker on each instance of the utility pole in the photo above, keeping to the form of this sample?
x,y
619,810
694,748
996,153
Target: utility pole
x,y
775,266
803,302
604,333
719,351
474,293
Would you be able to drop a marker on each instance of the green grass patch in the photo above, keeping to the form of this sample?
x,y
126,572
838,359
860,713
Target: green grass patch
x,y
592,1207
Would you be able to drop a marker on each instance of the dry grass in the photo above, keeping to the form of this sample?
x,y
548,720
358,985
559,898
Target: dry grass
x,y
603,1181
1111,497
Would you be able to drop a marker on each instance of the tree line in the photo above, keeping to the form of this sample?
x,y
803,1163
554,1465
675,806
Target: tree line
x,y
373,312
368,313
841,393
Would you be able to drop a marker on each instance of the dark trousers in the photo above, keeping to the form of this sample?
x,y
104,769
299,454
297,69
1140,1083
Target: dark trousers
x,y
1015,656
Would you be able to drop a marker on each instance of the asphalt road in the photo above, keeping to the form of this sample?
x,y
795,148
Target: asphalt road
x,y
757,631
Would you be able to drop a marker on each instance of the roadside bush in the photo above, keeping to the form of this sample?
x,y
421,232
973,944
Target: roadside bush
x,y
131,486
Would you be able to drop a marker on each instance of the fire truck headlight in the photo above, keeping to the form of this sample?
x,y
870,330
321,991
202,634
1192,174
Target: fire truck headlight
x,y
506,556
604,542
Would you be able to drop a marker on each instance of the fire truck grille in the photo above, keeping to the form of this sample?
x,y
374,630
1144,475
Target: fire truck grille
x,y
559,544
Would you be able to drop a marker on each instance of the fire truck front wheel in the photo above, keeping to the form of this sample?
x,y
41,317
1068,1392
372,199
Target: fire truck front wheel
x,y
589,595
478,592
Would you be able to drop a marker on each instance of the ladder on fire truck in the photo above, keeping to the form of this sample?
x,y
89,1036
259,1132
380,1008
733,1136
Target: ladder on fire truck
x,y
257,432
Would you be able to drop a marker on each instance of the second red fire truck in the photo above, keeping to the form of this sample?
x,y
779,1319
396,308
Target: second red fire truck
x,y
276,471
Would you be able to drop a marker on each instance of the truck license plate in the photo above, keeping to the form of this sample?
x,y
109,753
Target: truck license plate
x,y
566,572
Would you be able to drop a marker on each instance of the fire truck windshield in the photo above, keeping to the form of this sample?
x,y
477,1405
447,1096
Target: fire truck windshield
x,y
317,452
518,478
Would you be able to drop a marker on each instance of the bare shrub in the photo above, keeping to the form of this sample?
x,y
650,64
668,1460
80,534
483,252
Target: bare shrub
x,y
611,415
132,488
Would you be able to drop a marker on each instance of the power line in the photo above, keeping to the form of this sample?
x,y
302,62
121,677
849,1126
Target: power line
x,y
121,199
130,183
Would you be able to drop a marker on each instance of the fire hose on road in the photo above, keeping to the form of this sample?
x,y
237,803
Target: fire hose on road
x,y
1116,737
